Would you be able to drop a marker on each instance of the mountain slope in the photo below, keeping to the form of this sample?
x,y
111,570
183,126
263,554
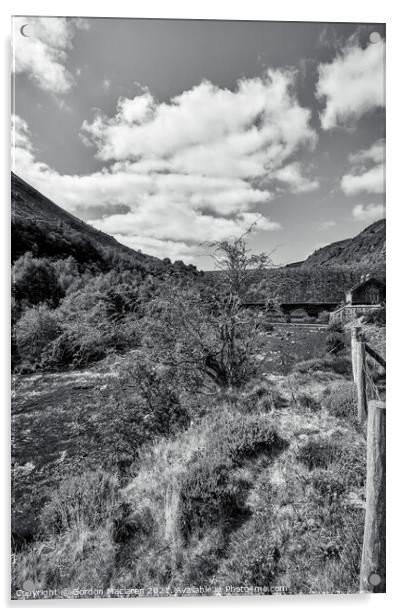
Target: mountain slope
x,y
365,249
45,229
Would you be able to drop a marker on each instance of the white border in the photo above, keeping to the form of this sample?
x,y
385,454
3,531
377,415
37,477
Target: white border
x,y
290,10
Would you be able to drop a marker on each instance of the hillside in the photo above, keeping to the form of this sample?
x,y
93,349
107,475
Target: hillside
x,y
45,229
326,274
366,249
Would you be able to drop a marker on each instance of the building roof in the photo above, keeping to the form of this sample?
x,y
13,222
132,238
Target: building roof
x,y
363,283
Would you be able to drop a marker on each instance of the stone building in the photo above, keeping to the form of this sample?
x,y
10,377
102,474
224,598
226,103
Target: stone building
x,y
362,298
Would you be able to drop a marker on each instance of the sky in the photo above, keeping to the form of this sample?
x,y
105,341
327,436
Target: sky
x,y
171,134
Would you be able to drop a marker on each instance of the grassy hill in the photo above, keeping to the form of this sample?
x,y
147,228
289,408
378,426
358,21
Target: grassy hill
x,y
366,249
45,229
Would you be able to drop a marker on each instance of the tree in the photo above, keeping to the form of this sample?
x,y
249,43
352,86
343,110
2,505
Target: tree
x,y
211,335
37,327
35,281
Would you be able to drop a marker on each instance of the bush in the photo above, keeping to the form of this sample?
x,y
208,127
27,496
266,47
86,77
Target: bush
x,y
264,399
211,495
78,346
341,401
35,281
131,412
335,343
340,365
327,483
318,452
376,317
240,436
335,328
34,331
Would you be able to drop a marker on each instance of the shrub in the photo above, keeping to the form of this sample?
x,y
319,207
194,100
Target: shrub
x,y
136,409
211,495
327,483
318,452
340,365
158,397
335,343
376,317
344,456
341,401
35,281
79,345
241,436
37,327
335,328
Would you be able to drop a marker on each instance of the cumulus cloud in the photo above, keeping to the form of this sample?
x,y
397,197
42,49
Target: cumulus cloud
x,y
184,171
352,84
371,212
371,181
209,130
368,171
42,54
292,176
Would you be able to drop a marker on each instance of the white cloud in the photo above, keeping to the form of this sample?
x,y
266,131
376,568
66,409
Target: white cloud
x,y
373,211
134,110
327,224
42,54
208,130
106,83
376,154
161,248
352,84
157,217
292,176
187,171
371,181
368,172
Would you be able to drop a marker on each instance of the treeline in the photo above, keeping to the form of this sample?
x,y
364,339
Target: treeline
x,y
315,284
71,311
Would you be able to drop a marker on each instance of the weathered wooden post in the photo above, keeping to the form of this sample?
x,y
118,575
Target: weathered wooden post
x,y
372,571
355,333
359,372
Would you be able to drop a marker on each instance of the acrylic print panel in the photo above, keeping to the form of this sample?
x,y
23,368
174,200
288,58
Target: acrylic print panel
x,y
198,333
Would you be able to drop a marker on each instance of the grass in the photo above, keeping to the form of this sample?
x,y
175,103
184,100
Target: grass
x,y
288,344
262,487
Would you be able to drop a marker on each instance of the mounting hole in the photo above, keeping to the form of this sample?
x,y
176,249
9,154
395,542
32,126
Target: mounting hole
x,y
375,37
374,579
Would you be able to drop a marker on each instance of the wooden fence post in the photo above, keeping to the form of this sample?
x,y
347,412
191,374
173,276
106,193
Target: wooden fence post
x,y
372,571
353,350
359,372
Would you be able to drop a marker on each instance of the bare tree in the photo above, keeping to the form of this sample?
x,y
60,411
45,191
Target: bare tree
x,y
210,331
